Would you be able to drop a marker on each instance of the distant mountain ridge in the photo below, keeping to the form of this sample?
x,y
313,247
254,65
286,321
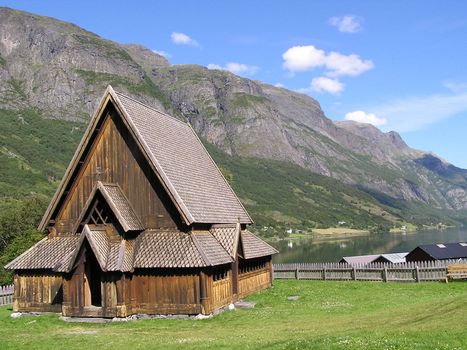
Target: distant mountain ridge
x,y
61,70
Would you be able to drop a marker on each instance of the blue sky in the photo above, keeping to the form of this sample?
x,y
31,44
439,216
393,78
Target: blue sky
x,y
398,64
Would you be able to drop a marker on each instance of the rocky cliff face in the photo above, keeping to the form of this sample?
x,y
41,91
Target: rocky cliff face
x,y
62,70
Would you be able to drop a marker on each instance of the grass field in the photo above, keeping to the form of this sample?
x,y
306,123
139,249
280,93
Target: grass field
x,y
328,315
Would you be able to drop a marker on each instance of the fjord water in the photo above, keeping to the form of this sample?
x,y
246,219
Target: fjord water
x,y
331,249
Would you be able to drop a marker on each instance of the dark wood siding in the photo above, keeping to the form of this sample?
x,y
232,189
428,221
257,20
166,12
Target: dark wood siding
x,y
165,292
255,279
37,291
114,157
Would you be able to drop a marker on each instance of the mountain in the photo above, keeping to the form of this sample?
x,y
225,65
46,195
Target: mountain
x,y
52,70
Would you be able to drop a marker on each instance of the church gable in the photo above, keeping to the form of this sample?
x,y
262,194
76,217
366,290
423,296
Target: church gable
x,y
114,157
129,143
108,205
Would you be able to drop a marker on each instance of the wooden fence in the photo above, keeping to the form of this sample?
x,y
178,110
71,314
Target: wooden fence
x,y
405,272
6,294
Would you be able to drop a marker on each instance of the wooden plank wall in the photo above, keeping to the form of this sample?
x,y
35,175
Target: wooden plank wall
x,y
253,281
221,292
37,291
165,293
115,158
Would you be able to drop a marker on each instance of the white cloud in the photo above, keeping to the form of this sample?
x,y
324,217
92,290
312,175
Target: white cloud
x,y
323,84
346,24
183,39
214,66
162,53
239,68
455,86
305,58
279,85
364,117
414,113
236,68
339,64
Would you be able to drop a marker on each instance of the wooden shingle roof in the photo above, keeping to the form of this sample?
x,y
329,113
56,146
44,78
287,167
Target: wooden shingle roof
x,y
254,247
117,202
169,249
227,235
50,253
178,158
120,206
166,249
151,249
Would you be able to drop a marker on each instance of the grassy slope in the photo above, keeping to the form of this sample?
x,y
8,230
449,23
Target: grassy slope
x,y
33,151
282,193
329,315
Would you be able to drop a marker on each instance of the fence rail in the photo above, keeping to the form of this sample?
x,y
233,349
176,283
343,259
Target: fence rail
x,y
6,294
384,272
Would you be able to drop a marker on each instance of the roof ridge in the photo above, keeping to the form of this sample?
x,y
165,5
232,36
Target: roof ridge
x,y
95,249
151,108
115,208
200,249
107,183
121,254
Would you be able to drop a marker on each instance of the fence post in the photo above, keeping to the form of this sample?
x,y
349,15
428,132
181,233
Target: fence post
x,y
417,274
354,273
385,274
297,277
324,273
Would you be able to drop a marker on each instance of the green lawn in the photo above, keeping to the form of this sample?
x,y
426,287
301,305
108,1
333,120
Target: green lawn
x,y
328,315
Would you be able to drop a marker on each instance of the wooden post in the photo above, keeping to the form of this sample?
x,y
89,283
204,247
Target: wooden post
x,y
417,274
385,274
271,271
204,299
354,273
324,273
235,278
297,277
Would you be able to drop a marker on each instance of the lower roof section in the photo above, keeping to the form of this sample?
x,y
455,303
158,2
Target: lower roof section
x,y
49,253
150,249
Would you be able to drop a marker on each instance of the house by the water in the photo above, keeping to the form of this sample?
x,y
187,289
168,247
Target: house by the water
x,y
142,222
440,251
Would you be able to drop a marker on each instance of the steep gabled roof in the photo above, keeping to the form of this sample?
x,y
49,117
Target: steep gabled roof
x,y
117,202
178,158
112,255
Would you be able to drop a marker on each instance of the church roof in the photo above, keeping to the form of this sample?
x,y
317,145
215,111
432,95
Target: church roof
x,y
120,206
118,203
177,156
150,249
48,253
254,247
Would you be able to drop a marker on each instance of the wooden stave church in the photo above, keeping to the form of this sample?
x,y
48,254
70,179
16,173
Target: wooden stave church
x,y
142,222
